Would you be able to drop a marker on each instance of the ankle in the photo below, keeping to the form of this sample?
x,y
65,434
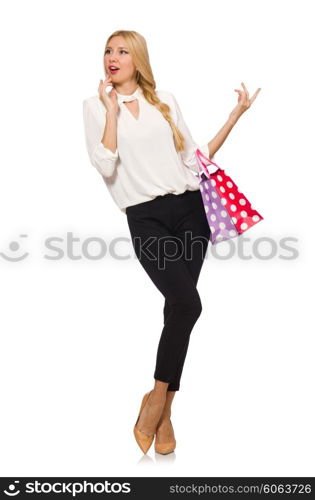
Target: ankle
x,y
165,417
157,398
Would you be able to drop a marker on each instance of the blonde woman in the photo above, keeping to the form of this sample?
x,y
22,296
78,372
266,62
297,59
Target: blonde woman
x,y
138,141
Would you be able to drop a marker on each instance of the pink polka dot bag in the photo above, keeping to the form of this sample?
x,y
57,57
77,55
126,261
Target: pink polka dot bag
x,y
228,211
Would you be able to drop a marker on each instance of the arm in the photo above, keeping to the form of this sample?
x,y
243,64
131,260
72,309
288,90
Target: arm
x,y
219,139
244,103
101,144
109,139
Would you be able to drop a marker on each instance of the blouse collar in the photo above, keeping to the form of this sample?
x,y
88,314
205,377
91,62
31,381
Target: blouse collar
x,y
137,94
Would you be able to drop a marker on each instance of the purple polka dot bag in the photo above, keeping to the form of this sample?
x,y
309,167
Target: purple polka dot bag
x,y
228,211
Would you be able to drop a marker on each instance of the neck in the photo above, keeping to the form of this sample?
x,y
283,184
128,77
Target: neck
x,y
127,88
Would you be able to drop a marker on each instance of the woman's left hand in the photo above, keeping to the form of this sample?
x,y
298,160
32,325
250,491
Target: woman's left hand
x,y
244,101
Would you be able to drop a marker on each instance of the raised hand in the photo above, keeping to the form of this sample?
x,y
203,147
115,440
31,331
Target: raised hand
x,y
244,101
109,99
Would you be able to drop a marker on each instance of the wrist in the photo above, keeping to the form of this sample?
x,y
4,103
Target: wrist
x,y
111,114
233,117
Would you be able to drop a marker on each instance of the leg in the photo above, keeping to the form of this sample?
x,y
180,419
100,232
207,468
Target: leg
x,y
167,406
196,224
174,281
165,431
169,273
174,386
153,409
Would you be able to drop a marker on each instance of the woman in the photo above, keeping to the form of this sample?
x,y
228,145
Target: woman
x,y
137,139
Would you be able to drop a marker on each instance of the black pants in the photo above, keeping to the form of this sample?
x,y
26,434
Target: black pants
x,y
170,236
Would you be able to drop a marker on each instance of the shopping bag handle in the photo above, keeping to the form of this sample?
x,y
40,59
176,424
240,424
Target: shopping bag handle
x,y
203,162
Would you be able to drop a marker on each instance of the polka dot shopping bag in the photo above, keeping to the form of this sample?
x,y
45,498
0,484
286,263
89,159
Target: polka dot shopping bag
x,y
228,211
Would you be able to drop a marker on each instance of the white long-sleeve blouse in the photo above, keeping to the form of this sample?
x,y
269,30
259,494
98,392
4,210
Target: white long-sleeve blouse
x,y
145,163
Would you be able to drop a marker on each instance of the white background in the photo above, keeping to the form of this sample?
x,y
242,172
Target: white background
x,y
79,335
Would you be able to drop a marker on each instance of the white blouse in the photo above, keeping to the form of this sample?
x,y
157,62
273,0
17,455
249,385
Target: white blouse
x,y
145,163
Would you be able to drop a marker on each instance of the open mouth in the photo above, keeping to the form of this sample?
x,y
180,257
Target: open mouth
x,y
113,69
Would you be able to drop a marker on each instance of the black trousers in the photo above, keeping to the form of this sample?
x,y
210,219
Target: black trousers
x,y
170,236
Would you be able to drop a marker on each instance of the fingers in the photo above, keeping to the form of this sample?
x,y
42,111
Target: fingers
x,y
107,81
244,95
254,96
103,84
245,90
239,93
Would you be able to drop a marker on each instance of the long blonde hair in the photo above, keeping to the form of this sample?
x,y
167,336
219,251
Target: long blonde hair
x,y
140,56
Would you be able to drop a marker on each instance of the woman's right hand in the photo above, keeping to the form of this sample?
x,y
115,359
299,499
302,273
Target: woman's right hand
x,y
109,99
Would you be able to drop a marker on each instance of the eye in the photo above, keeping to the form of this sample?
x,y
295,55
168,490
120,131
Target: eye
x,y
107,50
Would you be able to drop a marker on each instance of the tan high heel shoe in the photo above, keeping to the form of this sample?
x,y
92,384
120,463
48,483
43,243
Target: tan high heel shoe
x,y
143,440
165,448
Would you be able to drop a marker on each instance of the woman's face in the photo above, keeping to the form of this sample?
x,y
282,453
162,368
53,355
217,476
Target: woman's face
x,y
117,55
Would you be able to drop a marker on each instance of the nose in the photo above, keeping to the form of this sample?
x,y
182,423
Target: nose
x,y
112,57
